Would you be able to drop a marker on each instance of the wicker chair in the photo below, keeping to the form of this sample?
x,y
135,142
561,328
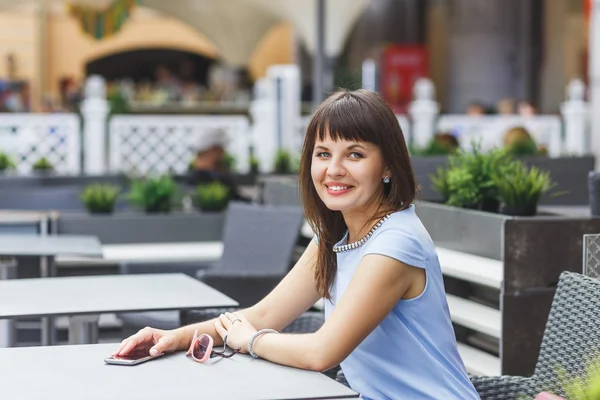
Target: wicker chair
x,y
571,337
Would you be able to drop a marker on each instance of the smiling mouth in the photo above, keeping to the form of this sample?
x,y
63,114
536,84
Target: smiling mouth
x,y
338,188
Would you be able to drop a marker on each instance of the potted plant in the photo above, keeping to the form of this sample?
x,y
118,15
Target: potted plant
x,y
283,162
439,183
442,144
520,188
254,165
469,178
229,162
211,197
43,165
153,194
6,163
99,198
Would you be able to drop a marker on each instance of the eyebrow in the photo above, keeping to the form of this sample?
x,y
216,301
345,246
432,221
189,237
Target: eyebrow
x,y
351,147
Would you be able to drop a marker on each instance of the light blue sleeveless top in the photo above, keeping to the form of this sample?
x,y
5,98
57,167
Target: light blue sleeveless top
x,y
412,354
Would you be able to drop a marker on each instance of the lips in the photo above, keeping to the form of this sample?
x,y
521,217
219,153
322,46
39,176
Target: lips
x,y
338,189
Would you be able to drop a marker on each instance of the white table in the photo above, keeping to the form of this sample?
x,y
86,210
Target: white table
x,y
46,247
84,298
136,253
79,372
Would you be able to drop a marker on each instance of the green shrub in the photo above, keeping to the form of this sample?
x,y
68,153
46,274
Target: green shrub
x,y
284,162
526,147
254,165
99,198
439,182
520,187
153,194
470,178
6,162
212,196
229,162
43,164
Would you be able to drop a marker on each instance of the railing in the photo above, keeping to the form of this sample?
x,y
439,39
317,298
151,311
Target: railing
x,y
490,131
160,144
26,138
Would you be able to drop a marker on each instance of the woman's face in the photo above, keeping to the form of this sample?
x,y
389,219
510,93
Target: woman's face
x,y
348,175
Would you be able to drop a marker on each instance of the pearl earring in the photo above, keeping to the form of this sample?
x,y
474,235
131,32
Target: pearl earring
x,y
386,179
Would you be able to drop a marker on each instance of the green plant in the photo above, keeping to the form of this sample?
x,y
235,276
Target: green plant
x,y
439,182
522,148
520,187
463,189
254,165
99,198
153,194
43,164
283,162
434,148
212,196
470,178
6,162
229,162
584,386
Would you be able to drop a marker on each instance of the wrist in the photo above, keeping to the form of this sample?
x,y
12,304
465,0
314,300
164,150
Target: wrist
x,y
182,338
255,337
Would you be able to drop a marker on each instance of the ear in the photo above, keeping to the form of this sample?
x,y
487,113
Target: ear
x,y
387,172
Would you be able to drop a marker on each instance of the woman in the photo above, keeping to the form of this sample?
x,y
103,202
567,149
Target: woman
x,y
387,320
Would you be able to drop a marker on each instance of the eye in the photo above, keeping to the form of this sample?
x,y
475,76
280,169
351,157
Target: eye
x,y
356,154
323,154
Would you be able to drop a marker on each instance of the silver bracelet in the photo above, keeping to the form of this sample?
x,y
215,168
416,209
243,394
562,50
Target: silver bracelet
x,y
254,337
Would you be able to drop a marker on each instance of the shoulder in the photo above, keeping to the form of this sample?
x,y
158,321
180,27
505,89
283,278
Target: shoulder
x,y
402,237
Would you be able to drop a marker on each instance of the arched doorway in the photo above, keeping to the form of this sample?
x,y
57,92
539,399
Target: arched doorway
x,y
142,65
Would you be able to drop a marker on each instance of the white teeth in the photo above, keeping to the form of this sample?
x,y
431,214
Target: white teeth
x,y
338,188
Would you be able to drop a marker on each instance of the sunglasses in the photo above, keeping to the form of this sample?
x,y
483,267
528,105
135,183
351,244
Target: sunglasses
x,y
201,348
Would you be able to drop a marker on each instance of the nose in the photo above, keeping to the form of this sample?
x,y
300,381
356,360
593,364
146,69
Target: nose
x,y
336,167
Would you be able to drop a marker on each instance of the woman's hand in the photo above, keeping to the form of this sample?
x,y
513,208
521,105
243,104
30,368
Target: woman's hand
x,y
161,342
238,330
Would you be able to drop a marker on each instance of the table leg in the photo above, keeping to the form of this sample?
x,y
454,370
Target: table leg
x,y
47,270
8,331
83,329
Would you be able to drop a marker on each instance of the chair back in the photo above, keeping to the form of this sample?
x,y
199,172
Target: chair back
x,y
258,240
591,255
572,335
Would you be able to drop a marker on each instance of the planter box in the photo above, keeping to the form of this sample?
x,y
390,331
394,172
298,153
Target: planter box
x,y
570,174
534,251
279,190
470,231
144,228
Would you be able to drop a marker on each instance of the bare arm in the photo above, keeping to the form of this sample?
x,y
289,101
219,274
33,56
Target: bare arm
x,y
295,294
378,284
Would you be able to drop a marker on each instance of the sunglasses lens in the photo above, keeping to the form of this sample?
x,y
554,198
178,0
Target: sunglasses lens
x,y
201,346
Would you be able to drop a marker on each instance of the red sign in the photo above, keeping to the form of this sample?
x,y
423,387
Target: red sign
x,y
401,65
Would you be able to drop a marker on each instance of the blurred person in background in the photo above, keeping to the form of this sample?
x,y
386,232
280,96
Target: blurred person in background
x,y
209,164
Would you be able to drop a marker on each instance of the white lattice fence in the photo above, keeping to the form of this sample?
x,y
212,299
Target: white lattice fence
x,y
160,144
29,137
490,130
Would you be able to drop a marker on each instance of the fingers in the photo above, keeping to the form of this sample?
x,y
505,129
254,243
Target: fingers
x,y
143,336
221,331
233,318
164,344
225,321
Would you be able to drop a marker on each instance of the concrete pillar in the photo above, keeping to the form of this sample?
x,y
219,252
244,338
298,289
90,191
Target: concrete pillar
x,y
483,52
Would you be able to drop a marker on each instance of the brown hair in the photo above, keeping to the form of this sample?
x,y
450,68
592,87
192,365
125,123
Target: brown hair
x,y
354,116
